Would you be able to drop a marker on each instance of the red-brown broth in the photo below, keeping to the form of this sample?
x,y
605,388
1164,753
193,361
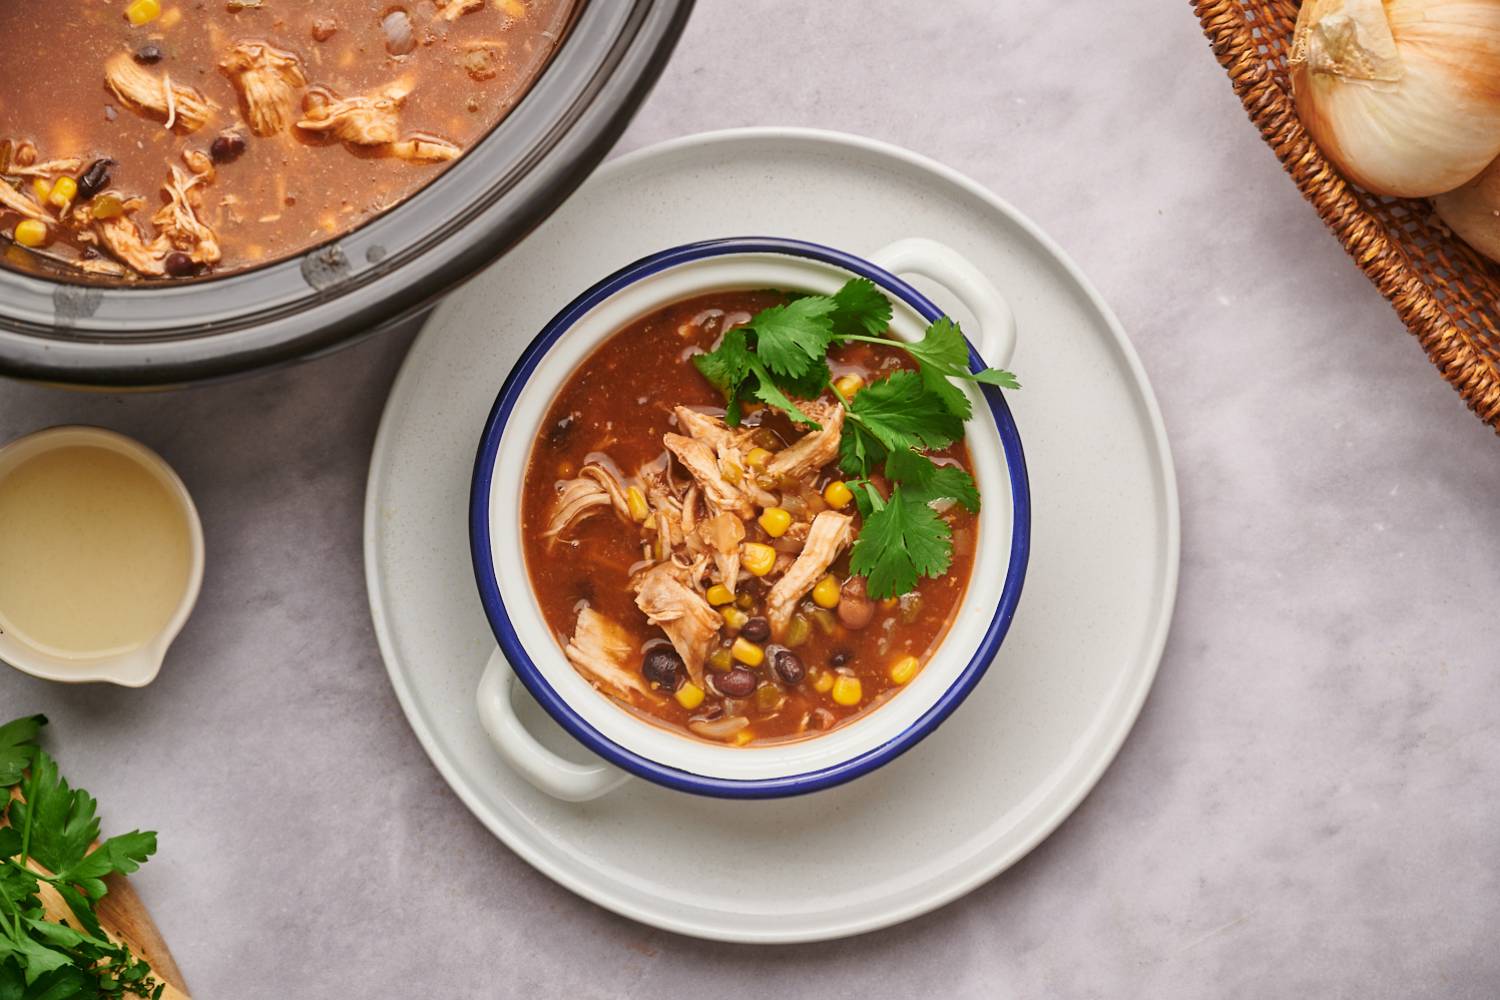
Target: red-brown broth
x,y
619,402
289,191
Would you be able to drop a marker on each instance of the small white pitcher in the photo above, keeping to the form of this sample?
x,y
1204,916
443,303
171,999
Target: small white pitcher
x,y
135,667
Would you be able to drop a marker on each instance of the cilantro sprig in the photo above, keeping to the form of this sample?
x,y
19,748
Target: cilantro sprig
x,y
46,824
781,356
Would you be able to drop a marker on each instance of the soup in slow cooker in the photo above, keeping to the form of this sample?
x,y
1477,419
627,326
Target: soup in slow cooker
x,y
175,138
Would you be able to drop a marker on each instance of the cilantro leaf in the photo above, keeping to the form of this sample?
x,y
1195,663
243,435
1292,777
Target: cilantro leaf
x,y
790,339
997,376
944,354
954,398
767,392
923,480
120,854
861,308
899,543
903,413
728,365
859,450
17,744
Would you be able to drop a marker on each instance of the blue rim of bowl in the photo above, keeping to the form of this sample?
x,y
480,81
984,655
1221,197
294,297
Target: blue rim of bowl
x,y
526,669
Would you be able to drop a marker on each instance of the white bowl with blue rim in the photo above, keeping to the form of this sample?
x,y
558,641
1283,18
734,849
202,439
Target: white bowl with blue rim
x,y
627,745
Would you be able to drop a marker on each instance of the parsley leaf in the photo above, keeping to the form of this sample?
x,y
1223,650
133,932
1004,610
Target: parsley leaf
x,y
902,540
52,826
16,739
790,339
861,308
903,413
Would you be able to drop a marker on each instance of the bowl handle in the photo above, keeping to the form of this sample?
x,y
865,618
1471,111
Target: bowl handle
x,y
996,338
559,778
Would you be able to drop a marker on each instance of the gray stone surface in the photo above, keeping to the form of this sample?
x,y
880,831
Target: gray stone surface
x,y
1310,802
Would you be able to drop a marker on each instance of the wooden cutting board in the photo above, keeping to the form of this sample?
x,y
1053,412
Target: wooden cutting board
x,y
125,918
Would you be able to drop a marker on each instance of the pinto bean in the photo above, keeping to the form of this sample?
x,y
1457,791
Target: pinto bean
x,y
856,610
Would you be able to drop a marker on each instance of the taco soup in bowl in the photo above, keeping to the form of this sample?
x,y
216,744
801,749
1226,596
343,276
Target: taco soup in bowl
x,y
750,518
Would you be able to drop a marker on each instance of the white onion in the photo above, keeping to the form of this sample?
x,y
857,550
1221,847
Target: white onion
x,y
1473,211
1404,95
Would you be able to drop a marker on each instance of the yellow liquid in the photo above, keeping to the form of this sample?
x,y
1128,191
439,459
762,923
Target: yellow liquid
x,y
95,553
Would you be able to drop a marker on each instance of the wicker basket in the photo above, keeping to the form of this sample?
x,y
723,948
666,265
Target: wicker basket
x,y
1448,295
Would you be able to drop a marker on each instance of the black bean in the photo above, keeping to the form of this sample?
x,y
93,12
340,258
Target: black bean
x,y
149,54
756,630
95,178
839,658
663,667
180,265
788,666
738,683
227,147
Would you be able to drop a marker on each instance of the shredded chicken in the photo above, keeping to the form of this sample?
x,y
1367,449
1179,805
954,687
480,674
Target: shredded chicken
x,y
594,488
424,149
67,165
268,80
452,10
816,449
711,430
361,121
689,622
122,238
829,534
600,649
181,107
177,221
703,465
14,201
722,535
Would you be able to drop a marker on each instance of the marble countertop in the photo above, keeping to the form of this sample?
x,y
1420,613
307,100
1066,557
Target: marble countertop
x,y
1309,804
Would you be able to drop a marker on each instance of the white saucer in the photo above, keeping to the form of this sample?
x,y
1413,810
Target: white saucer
x,y
1014,760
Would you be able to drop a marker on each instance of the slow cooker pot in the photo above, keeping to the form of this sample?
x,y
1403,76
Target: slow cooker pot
x,y
57,327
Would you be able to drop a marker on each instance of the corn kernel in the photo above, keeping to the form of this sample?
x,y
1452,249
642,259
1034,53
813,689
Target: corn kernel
x,y
744,602
43,189
758,458
733,474
758,558
748,652
689,696
742,737
838,494
826,593
108,206
735,618
719,594
143,12
847,691
824,683
775,520
635,500
31,233
848,385
904,669
890,603
63,192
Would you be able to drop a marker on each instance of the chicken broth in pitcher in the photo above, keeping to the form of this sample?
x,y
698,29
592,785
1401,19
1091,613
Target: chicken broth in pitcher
x,y
699,574
173,138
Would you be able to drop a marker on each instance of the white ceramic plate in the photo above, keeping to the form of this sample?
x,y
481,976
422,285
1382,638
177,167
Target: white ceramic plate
x,y
1030,741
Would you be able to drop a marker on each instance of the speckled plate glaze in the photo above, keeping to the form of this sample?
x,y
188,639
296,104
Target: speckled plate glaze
x,y
1009,765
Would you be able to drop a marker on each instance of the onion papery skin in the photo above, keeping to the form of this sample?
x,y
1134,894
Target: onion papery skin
x,y
1423,125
